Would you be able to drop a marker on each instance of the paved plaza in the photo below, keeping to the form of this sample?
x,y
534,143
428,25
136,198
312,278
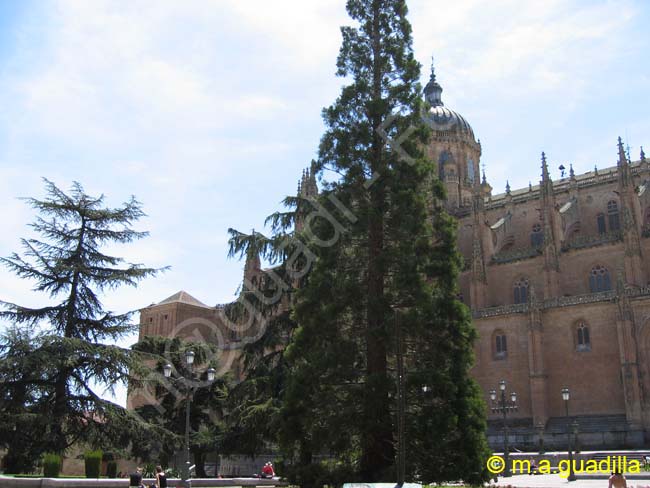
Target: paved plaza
x,y
555,481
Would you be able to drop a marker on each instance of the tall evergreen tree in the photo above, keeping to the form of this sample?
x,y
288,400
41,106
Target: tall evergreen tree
x,y
383,286
77,346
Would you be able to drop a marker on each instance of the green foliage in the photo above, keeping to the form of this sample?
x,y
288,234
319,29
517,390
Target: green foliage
x,y
382,277
111,469
20,403
332,474
254,404
51,465
149,470
207,402
93,463
67,352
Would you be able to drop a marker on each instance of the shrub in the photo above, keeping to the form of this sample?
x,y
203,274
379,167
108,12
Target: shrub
x,y
93,462
149,470
111,469
51,465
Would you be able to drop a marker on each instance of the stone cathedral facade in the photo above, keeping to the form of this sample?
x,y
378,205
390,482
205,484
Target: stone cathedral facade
x,y
557,280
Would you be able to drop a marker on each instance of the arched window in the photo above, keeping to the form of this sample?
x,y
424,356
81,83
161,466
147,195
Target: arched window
x,y
521,290
536,236
600,218
500,345
583,341
599,279
612,216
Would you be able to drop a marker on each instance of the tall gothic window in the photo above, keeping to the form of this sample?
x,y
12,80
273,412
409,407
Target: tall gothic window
x,y
444,157
470,171
500,345
612,216
536,236
599,279
521,291
600,219
583,341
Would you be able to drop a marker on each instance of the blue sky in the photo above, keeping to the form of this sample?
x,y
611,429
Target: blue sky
x,y
207,111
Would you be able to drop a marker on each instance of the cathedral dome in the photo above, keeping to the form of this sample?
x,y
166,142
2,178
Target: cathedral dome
x,y
439,117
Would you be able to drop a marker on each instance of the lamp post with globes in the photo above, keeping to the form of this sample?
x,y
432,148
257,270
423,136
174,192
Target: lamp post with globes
x,y
565,397
167,371
504,406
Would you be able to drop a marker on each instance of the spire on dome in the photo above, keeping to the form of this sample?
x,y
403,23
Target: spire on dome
x,y
433,91
507,187
571,172
642,155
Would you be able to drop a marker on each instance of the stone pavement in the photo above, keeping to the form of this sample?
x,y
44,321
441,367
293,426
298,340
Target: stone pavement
x,y
555,481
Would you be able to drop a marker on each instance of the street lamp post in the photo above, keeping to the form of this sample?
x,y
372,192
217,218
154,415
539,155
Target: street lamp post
x,y
540,434
503,406
565,397
167,371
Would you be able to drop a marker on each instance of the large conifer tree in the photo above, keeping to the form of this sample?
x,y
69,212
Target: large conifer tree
x,y
383,284
75,354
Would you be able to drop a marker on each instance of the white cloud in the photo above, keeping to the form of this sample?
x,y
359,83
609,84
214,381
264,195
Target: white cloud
x,y
523,47
206,110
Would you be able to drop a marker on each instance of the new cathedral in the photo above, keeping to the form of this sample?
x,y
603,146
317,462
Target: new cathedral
x,y
557,282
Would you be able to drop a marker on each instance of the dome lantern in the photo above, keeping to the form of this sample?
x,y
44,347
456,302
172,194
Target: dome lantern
x,y
433,91
439,117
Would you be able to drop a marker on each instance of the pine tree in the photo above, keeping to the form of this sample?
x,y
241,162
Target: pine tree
x,y
383,284
77,349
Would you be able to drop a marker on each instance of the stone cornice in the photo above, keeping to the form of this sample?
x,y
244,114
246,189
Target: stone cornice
x,y
557,302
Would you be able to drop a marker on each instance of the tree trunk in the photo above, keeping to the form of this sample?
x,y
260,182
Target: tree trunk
x,y
378,450
199,461
57,434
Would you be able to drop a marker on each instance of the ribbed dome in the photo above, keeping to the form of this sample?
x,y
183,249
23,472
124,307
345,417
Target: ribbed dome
x,y
441,118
